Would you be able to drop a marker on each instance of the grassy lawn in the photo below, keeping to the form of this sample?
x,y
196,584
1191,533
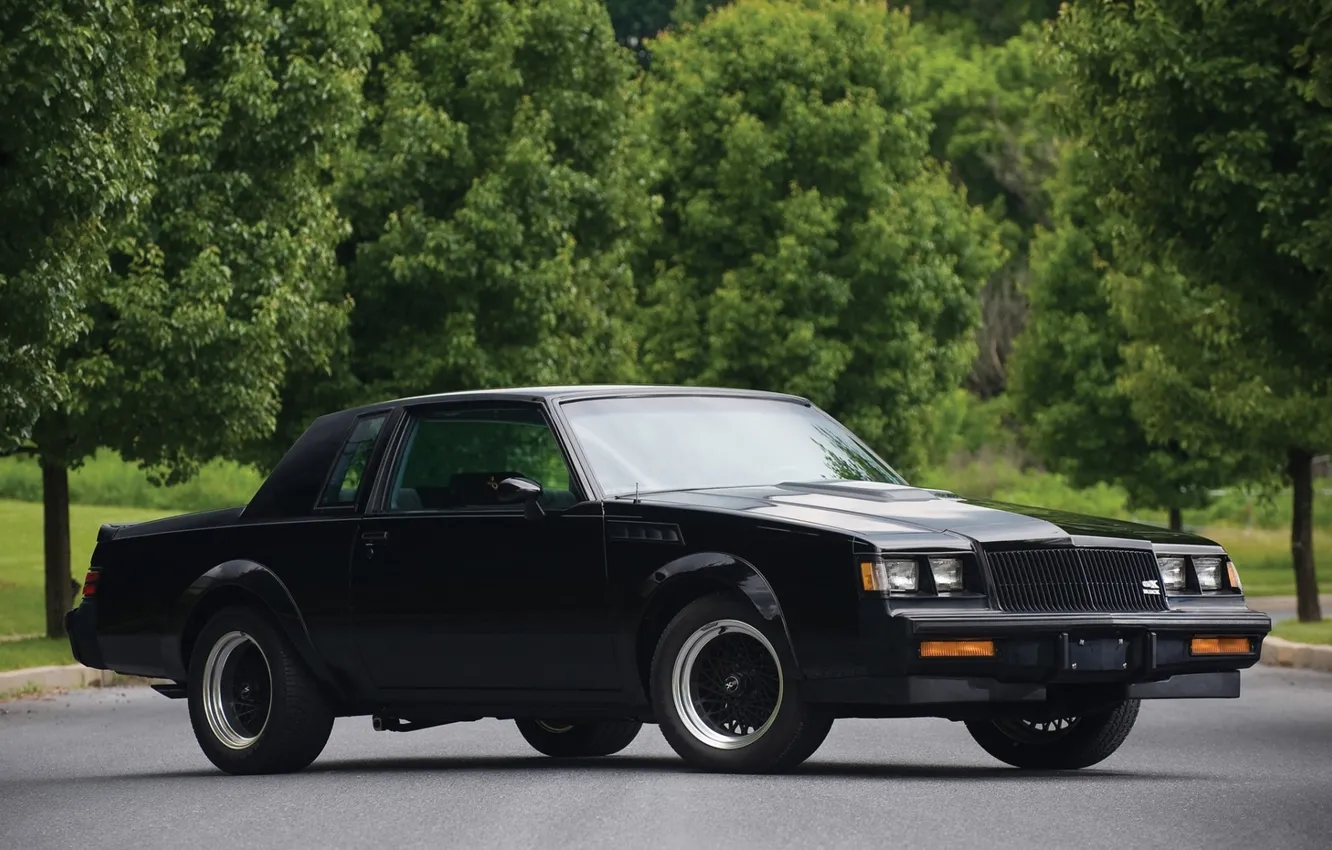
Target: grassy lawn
x,y
21,578
1320,632
34,652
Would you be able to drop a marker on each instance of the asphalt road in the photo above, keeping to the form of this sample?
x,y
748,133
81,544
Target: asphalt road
x,y
120,768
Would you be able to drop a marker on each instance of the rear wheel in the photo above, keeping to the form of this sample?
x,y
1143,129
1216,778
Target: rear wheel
x,y
1065,743
254,706
564,739
722,696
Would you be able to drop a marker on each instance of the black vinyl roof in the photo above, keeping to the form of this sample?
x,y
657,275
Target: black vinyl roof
x,y
574,392
293,486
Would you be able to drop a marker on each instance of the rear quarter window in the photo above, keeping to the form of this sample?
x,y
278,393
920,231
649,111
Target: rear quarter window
x,y
348,472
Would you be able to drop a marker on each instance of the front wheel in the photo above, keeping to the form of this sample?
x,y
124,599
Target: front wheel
x,y
254,705
562,739
1066,743
723,698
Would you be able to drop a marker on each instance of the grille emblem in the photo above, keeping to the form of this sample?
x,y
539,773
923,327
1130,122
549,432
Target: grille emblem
x,y
1151,587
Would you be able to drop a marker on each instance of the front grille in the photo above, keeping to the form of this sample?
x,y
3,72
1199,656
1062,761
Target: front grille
x,y
1049,580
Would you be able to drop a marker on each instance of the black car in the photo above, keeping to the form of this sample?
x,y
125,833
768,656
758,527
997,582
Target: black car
x,y
734,566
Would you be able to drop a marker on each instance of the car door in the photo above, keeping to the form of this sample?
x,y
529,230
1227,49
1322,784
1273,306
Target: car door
x,y
453,589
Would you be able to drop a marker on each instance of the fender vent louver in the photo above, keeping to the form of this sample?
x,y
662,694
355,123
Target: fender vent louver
x,y
644,532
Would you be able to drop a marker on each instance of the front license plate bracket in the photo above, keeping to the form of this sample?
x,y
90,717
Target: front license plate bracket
x,y
1094,654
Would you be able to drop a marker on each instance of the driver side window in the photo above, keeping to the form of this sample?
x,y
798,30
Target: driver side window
x,y
455,460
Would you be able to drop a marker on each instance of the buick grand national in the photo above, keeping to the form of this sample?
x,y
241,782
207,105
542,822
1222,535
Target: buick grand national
x,y
735,567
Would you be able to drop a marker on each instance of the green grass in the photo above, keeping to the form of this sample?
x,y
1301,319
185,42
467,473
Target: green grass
x,y
1264,560
34,652
1320,632
21,560
107,480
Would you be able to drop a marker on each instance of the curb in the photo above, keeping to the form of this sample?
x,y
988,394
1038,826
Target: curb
x,y
1279,652
40,679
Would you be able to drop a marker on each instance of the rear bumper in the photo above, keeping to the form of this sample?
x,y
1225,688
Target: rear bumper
x,y
1049,657
81,628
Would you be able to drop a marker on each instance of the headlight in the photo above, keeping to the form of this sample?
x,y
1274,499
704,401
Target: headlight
x,y
1208,571
899,575
947,574
1172,572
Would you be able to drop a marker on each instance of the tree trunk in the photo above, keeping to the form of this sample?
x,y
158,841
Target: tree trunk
x,y
1176,520
1301,536
55,504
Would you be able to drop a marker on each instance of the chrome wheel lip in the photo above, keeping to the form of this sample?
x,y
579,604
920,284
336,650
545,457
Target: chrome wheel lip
x,y
554,728
682,690
214,698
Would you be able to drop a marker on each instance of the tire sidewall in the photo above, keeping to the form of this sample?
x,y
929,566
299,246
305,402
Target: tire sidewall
x,y
1095,738
591,738
271,644
768,751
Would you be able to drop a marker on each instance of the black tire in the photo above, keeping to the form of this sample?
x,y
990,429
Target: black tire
x,y
293,730
590,738
778,740
1088,740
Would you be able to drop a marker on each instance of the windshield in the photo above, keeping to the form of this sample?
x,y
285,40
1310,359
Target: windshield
x,y
698,442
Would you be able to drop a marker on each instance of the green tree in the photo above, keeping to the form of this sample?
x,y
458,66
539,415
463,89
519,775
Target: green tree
x,y
984,20
1067,363
496,197
77,104
809,241
1209,125
991,128
227,280
636,20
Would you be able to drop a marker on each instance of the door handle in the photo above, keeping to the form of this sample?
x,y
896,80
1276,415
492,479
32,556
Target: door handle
x,y
373,536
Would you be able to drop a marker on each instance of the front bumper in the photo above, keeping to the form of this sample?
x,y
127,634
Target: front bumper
x,y
1044,657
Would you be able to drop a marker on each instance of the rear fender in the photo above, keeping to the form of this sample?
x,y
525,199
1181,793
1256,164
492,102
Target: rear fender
x,y
241,582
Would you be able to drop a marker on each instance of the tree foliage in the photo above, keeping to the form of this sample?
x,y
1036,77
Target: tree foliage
x,y
1066,370
1211,136
636,20
78,114
495,198
226,279
983,20
809,241
991,128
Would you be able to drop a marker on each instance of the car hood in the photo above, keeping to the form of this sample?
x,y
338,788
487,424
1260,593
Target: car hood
x,y
892,511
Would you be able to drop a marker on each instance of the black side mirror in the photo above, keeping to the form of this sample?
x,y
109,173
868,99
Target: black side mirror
x,y
524,490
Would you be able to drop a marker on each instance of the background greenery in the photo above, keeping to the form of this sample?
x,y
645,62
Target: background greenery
x,y
1073,255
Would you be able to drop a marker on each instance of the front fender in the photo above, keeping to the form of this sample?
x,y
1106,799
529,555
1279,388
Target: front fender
x,y
727,570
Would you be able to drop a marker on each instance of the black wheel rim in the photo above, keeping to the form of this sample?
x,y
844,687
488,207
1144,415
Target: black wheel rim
x,y
1038,731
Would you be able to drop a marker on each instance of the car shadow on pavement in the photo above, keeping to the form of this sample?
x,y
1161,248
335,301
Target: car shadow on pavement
x,y
668,764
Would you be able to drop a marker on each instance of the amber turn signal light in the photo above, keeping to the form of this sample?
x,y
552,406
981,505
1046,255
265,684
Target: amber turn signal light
x,y
957,649
1220,646
1233,573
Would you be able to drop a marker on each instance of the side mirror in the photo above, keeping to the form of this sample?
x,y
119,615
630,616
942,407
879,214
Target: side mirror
x,y
524,490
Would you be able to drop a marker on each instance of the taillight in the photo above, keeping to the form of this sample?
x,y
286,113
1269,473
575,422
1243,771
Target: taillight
x,y
90,583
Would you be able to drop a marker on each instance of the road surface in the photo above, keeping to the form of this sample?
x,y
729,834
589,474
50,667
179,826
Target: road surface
x,y
120,769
